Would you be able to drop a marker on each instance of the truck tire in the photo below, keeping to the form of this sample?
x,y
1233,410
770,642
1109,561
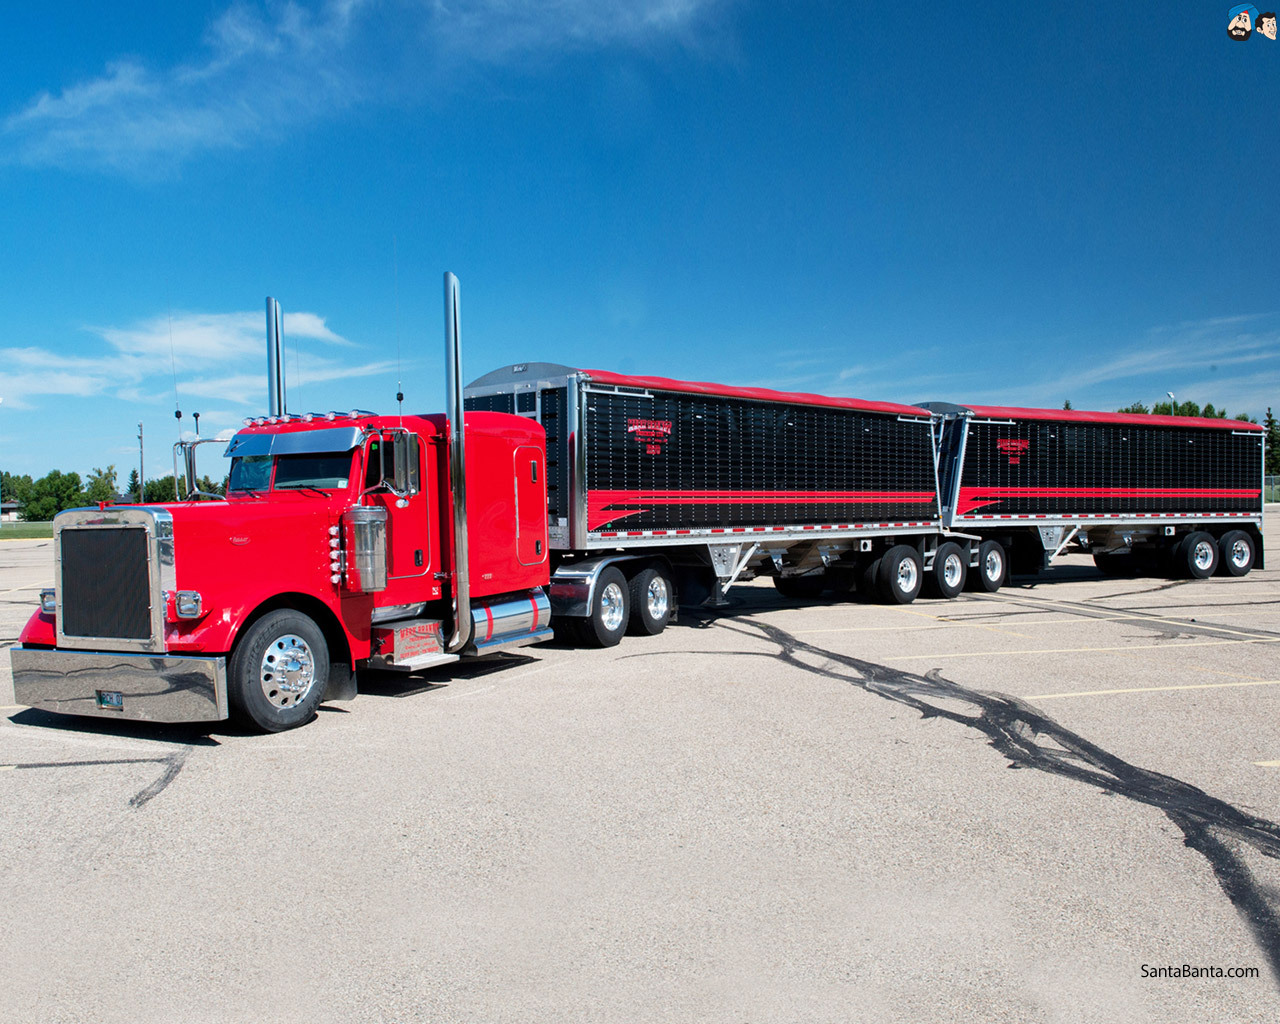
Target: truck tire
x,y
992,569
900,575
950,568
1197,556
610,606
1115,563
803,588
652,598
278,672
1236,553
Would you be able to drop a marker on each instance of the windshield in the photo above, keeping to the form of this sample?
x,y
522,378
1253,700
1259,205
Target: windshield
x,y
329,470
250,473
325,470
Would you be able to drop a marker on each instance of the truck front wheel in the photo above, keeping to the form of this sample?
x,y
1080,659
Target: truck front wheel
x,y
279,671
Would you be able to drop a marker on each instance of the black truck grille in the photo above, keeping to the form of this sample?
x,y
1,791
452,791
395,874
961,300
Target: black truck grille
x,y
105,587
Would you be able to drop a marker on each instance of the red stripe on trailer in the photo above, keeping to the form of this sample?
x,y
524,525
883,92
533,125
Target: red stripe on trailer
x,y
601,503
975,497
1002,412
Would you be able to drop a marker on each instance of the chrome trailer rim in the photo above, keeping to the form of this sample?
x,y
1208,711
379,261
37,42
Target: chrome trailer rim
x,y
1203,555
1240,553
288,670
657,599
907,575
992,565
612,605
952,567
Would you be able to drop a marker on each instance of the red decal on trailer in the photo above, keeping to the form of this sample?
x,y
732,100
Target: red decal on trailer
x,y
601,510
976,497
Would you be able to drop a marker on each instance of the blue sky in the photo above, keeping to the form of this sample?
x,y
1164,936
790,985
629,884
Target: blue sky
x,y
978,203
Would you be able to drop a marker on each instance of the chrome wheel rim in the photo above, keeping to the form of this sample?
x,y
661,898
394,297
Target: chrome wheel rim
x,y
992,565
952,568
1203,555
1240,554
907,575
288,671
612,607
656,598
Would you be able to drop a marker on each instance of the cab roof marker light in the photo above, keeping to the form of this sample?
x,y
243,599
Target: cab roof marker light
x,y
248,421
331,416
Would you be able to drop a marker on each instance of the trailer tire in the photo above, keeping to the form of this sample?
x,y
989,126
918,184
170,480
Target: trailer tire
x,y
867,585
950,568
992,569
278,672
1197,556
1236,553
1115,563
900,575
652,599
803,588
610,607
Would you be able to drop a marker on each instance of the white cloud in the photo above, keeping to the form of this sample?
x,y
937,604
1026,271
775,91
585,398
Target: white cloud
x,y
138,362
259,74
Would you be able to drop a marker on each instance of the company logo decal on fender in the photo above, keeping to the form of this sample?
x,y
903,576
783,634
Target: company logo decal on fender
x,y
238,539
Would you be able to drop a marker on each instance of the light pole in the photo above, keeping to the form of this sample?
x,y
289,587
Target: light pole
x,y
142,470
1173,404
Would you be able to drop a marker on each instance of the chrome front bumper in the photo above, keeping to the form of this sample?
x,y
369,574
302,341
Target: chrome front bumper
x,y
139,687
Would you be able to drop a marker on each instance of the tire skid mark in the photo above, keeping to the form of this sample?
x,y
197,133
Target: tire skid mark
x,y
172,766
1029,739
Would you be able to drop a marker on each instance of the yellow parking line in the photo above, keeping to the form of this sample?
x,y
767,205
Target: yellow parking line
x,y
1085,650
1267,764
15,590
1154,689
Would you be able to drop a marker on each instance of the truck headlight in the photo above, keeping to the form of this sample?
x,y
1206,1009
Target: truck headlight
x,y
187,604
49,601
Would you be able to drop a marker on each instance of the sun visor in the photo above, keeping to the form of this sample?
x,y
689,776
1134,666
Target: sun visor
x,y
295,442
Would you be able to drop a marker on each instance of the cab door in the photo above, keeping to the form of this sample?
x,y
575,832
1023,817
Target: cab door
x,y
408,524
531,505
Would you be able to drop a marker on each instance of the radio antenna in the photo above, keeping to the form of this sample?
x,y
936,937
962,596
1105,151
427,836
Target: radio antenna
x,y
395,271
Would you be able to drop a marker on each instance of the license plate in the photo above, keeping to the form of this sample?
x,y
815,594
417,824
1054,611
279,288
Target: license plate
x,y
111,700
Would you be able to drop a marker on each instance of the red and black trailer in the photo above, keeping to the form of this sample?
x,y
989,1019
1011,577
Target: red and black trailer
x,y
1141,492
654,484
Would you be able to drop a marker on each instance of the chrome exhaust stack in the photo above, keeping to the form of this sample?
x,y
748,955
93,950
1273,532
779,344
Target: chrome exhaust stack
x,y
457,464
275,359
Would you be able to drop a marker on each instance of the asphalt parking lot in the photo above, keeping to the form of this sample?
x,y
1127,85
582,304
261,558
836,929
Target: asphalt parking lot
x,y
1006,807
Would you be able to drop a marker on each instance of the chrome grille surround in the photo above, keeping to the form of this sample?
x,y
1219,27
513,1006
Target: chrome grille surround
x,y
157,525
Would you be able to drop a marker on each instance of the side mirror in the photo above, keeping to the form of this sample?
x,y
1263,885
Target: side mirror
x,y
404,465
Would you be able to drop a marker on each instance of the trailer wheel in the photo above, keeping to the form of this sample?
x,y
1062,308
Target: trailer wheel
x,y
651,602
278,672
950,568
900,575
803,588
992,569
1236,553
1197,555
609,610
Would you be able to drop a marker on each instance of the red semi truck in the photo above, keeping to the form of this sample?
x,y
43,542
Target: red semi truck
x,y
595,502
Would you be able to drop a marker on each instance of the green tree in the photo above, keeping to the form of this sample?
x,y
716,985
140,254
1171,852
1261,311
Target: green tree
x,y
51,494
1066,404
101,485
134,493
159,491
15,488
1243,417
1135,407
